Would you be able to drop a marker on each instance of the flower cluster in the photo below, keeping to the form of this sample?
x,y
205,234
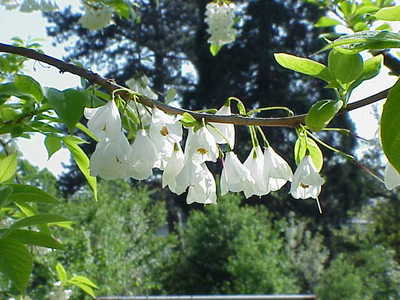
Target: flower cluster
x,y
220,19
29,5
96,18
159,146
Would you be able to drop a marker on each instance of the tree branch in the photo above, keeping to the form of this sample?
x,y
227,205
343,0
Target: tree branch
x,y
111,86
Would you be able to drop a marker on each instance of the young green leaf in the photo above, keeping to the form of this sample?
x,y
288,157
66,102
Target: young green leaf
x,y
29,86
305,145
68,104
214,49
388,13
15,262
326,22
82,161
303,65
61,273
345,68
53,144
8,167
84,280
321,113
390,134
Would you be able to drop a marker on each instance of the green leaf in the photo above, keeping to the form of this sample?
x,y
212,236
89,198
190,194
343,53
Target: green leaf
x,y
188,120
28,193
326,22
82,161
171,93
305,144
29,86
87,289
214,49
15,262
53,144
303,65
84,280
388,13
390,134
68,104
364,40
321,113
34,221
61,273
345,67
35,238
8,167
5,192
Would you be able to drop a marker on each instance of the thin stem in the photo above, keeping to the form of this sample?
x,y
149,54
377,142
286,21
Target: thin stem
x,y
289,111
266,143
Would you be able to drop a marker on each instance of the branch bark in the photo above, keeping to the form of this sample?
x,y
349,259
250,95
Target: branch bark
x,y
111,86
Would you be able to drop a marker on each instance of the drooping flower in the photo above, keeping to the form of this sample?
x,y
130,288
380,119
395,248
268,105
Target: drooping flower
x,y
188,176
204,189
174,166
306,180
95,18
142,156
391,177
220,20
165,131
110,159
224,133
235,176
255,164
201,145
104,121
277,170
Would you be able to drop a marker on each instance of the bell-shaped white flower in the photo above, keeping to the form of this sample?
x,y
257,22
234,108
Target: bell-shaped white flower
x,y
255,164
220,20
306,180
277,170
204,190
95,18
165,131
188,176
174,166
142,157
110,159
201,146
141,86
391,177
235,176
104,121
224,133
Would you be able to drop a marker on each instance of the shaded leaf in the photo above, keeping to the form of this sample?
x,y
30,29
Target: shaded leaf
x,y
29,86
28,193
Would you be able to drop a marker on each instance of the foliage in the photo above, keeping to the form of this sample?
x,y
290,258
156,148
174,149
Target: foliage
x,y
229,249
116,242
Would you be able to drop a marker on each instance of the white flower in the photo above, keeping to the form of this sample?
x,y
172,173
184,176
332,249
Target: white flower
x,y
141,86
104,121
110,159
220,19
189,175
277,170
255,164
204,189
165,131
391,177
142,157
224,133
306,180
235,177
174,166
201,145
96,18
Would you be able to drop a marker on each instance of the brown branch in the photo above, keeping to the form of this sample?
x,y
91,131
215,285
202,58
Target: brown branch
x,y
111,86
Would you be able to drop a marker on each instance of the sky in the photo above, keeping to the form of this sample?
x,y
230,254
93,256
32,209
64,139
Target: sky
x,y
32,25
